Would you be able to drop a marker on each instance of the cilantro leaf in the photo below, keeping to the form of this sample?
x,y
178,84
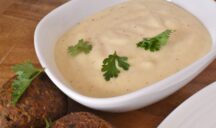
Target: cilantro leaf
x,y
25,74
81,46
19,86
155,43
110,68
48,123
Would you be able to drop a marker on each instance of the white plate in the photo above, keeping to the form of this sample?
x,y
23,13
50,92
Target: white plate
x,y
63,18
199,111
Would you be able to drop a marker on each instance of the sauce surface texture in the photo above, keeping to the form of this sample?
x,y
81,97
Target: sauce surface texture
x,y
120,28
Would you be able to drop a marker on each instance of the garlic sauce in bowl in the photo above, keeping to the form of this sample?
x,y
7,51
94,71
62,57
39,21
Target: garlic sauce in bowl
x,y
110,26
119,29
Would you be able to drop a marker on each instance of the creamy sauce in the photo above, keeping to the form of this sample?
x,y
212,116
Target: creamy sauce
x,y
119,29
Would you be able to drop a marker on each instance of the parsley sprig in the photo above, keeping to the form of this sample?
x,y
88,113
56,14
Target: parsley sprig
x,y
155,43
26,73
112,64
81,46
48,123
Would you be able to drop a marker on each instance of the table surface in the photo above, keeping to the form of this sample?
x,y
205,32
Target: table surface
x,y
18,19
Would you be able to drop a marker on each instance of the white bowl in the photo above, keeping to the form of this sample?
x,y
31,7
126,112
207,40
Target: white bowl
x,y
64,17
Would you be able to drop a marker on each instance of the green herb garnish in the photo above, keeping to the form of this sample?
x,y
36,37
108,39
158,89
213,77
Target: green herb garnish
x,y
48,123
111,65
25,74
81,46
155,43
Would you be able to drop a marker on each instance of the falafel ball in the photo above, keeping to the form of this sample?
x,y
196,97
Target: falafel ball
x,y
81,120
42,100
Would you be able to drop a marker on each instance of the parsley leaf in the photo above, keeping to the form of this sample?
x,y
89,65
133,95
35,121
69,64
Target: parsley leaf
x,y
25,74
155,43
110,68
48,123
81,46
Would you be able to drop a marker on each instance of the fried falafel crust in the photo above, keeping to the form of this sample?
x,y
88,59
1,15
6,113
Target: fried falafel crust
x,y
81,120
42,100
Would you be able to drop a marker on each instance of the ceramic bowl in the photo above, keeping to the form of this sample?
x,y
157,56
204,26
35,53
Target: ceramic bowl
x,y
60,20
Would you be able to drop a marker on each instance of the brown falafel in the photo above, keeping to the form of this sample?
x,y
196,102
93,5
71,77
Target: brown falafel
x,y
40,101
81,120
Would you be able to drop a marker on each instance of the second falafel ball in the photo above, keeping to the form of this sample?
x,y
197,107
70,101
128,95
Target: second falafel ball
x,y
81,120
